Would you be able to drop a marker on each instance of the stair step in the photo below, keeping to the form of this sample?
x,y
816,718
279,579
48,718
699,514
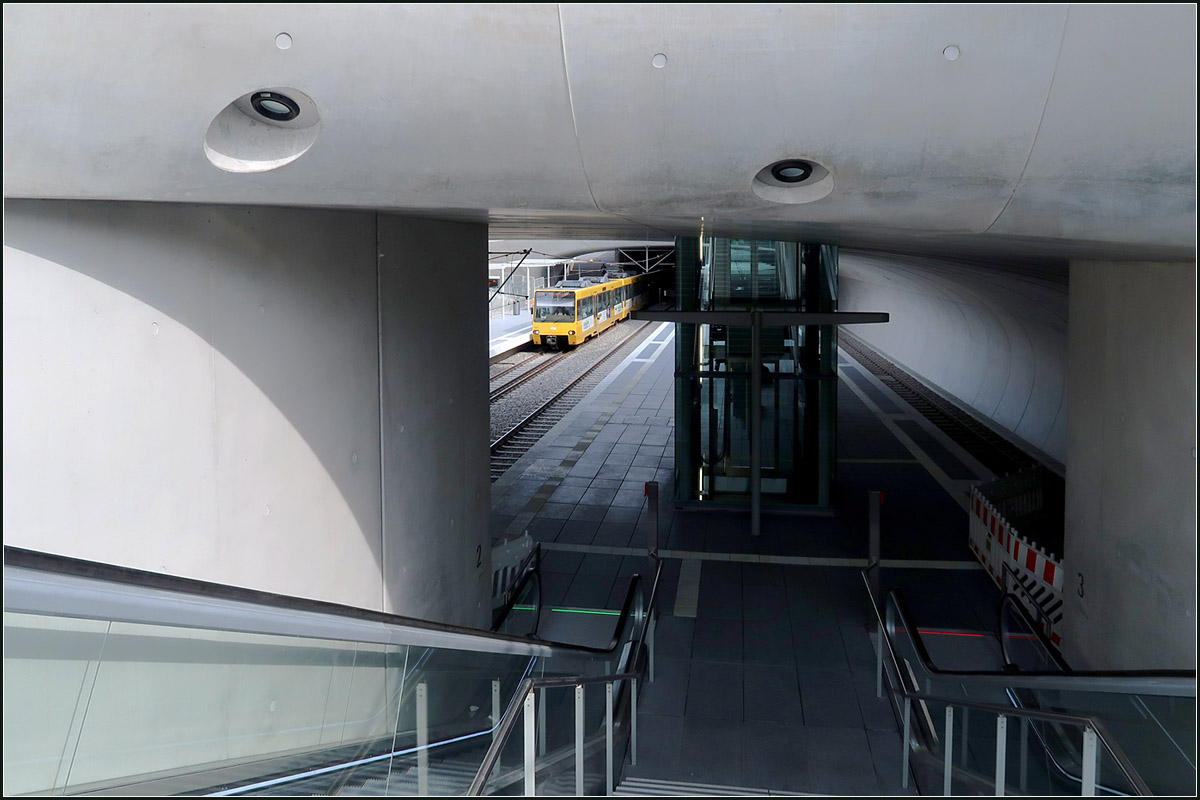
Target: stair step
x,y
665,788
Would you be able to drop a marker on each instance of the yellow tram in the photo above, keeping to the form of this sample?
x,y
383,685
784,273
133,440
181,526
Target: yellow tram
x,y
576,310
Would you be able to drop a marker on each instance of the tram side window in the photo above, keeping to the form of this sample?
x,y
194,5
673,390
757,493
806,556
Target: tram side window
x,y
587,307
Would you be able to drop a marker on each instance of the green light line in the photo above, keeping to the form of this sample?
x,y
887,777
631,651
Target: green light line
x,y
571,611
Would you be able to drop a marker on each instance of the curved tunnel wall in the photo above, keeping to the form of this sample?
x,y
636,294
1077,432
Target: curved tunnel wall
x,y
994,340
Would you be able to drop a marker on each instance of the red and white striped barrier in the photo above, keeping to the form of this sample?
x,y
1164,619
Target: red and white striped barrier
x,y
996,544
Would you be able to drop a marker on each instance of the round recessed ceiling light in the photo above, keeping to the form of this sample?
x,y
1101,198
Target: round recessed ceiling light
x,y
275,106
659,61
952,53
791,171
283,41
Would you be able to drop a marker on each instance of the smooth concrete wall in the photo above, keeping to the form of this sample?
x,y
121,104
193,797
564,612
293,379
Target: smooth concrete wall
x,y
433,340
195,390
995,340
1130,596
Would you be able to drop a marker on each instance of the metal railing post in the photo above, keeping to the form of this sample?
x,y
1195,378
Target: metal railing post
x,y
1091,759
652,509
608,738
879,634
422,739
530,736
1024,753
1001,752
495,708
579,740
541,732
949,754
633,722
906,743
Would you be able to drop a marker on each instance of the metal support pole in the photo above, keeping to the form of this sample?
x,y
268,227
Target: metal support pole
x,y
1091,762
905,743
608,738
947,771
874,501
422,739
633,722
756,424
495,708
530,735
1001,752
966,721
652,508
650,642
579,740
1024,754
541,733
879,664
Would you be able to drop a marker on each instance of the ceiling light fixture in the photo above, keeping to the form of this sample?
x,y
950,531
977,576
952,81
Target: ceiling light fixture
x,y
275,106
791,171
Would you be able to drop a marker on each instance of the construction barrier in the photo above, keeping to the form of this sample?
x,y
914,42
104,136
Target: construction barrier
x,y
998,546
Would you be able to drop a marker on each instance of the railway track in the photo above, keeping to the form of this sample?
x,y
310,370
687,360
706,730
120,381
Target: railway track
x,y
987,447
509,448
546,363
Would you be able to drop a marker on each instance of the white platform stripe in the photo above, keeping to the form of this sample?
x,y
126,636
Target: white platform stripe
x,y
995,543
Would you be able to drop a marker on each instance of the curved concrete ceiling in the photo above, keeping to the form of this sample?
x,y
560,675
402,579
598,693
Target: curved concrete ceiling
x,y
1057,131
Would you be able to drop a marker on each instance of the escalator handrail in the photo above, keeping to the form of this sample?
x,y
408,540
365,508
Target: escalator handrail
x,y
508,721
1177,683
532,568
1106,738
1010,600
53,585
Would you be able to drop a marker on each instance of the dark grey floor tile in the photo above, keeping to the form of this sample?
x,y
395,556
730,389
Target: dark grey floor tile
x,y
589,513
622,515
555,586
710,751
839,761
877,713
627,498
715,690
768,643
673,637
561,561
667,693
772,693
613,535
886,755
829,699
556,510
717,640
598,496
619,459
567,494
659,737
589,591
641,474
762,603
612,471
818,645
775,756
762,575
717,599
576,531
544,529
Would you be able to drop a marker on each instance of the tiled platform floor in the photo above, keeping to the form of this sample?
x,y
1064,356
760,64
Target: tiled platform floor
x,y
765,662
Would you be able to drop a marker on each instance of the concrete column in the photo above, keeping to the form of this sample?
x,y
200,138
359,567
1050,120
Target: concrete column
x,y
1130,560
196,390
433,369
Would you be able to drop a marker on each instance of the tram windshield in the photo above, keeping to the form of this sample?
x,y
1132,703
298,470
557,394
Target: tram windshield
x,y
554,307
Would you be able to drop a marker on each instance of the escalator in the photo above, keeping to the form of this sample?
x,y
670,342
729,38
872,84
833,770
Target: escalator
x,y
124,682
1026,723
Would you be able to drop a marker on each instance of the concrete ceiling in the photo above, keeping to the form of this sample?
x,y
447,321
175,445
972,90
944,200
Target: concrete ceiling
x,y
1057,132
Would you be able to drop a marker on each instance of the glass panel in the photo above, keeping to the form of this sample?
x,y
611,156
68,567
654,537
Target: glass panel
x,y
163,710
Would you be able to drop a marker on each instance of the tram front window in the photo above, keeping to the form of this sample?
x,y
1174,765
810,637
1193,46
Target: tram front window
x,y
554,307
